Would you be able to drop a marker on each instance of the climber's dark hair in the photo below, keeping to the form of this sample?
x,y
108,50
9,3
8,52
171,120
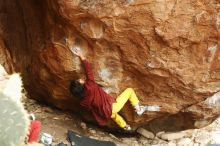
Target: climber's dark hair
x,y
77,89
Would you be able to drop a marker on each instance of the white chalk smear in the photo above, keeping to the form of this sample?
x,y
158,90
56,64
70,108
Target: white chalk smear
x,y
212,49
104,73
213,100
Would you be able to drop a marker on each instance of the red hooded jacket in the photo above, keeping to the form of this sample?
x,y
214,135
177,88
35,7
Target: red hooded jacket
x,y
96,99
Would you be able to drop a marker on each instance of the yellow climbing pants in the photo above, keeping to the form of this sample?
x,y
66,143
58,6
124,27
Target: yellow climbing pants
x,y
126,95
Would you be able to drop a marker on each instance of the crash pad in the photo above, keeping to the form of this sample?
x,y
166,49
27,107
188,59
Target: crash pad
x,y
80,140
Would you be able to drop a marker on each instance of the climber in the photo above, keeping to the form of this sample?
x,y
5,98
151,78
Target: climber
x,y
102,105
34,129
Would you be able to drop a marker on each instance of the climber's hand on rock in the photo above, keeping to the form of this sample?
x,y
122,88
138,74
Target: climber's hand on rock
x,y
77,51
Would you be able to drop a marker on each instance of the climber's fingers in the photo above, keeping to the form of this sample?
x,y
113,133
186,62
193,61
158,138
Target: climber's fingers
x,y
76,51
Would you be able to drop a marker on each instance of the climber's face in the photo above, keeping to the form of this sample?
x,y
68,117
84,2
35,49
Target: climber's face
x,y
81,81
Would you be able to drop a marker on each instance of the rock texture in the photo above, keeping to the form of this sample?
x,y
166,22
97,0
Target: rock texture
x,y
167,50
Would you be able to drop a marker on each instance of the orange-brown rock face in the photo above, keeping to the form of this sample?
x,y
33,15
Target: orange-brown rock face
x,y
167,50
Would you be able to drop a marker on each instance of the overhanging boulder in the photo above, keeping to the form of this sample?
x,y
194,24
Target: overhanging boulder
x,y
168,51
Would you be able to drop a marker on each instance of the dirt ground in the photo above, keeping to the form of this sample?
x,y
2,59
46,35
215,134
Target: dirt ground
x,y
57,123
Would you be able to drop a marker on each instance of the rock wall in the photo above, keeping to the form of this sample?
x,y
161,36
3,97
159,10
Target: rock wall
x,y
167,50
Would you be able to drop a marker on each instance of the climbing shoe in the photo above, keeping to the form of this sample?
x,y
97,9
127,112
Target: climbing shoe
x,y
141,110
127,128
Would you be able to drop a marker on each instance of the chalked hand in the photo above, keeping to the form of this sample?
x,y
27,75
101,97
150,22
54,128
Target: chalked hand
x,y
76,51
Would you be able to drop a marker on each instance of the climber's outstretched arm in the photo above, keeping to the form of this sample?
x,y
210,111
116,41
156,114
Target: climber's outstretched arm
x,y
89,74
